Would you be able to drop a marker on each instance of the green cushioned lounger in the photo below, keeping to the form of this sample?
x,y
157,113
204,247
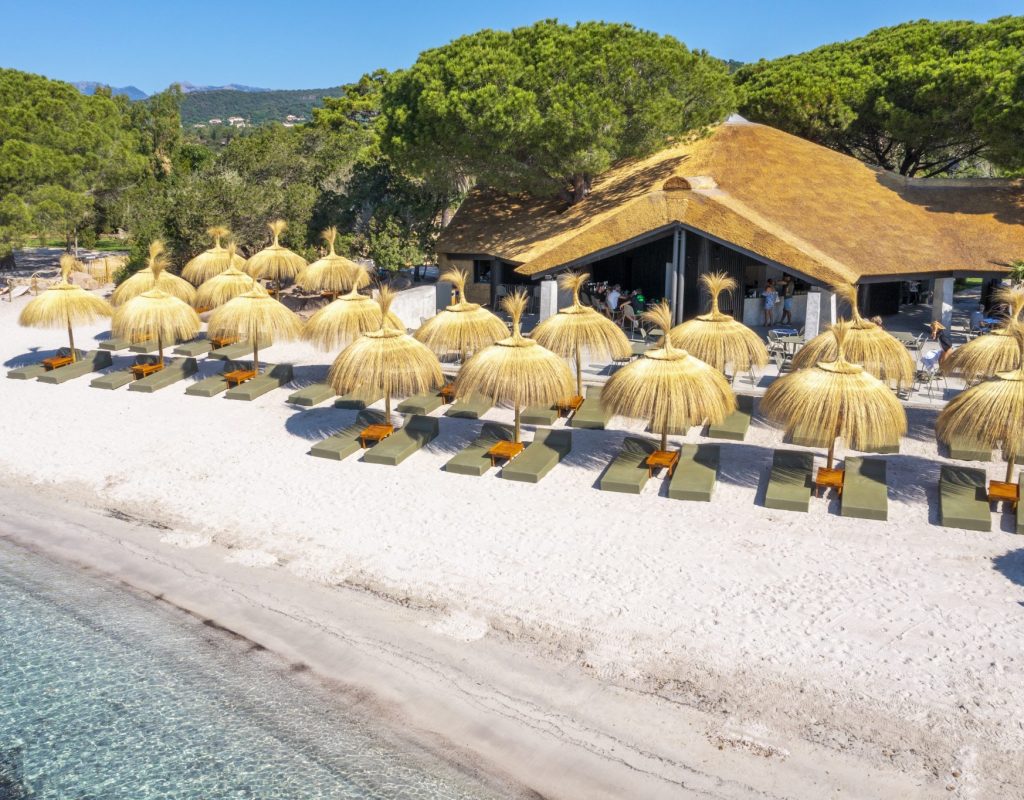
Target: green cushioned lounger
x,y
148,346
539,456
734,427
627,472
31,371
1020,514
540,415
359,399
865,493
420,404
175,369
473,459
591,415
417,432
274,376
114,343
312,395
789,483
968,450
345,442
93,361
237,350
215,384
197,347
696,473
472,407
963,498
117,378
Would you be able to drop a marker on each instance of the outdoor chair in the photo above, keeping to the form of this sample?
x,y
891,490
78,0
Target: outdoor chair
x,y
473,459
696,473
734,427
175,369
274,377
929,374
630,319
417,432
346,442
539,457
963,499
789,482
93,361
312,395
628,471
865,494
421,403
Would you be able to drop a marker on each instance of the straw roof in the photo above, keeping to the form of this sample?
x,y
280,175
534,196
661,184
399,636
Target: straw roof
x,y
387,359
344,320
462,327
333,273
879,352
819,213
276,262
996,351
667,386
63,304
213,261
252,315
155,315
230,283
836,399
154,276
718,339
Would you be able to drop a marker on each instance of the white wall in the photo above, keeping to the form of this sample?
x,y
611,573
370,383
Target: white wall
x,y
415,304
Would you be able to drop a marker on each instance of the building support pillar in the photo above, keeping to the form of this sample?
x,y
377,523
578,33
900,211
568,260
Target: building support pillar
x,y
495,283
548,306
679,266
821,312
942,301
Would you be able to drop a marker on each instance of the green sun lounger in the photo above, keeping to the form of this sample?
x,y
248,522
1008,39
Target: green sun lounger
x,y
627,472
734,427
175,369
274,376
420,404
31,371
539,415
539,456
197,347
963,498
591,415
117,378
345,442
114,343
696,473
472,407
789,483
215,384
148,346
235,351
473,459
93,361
969,450
417,432
359,399
312,395
865,494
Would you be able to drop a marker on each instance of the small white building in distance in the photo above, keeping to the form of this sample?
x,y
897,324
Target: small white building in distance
x,y
216,121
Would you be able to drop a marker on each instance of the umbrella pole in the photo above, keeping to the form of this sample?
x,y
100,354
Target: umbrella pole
x,y
515,438
256,353
1010,461
387,408
579,374
71,339
664,438
160,347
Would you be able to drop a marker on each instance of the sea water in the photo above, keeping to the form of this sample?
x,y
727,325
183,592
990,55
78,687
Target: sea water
x,y
107,695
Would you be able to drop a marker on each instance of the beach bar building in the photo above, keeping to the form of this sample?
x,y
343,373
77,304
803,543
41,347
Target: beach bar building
x,y
757,203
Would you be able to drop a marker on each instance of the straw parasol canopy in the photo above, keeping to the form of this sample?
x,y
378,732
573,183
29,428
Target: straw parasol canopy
x,y
515,371
213,261
224,286
342,321
155,314
994,352
64,304
579,328
154,276
275,263
836,399
333,274
387,359
668,386
251,315
991,412
718,339
462,327
880,353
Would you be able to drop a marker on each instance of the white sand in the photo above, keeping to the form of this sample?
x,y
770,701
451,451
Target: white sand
x,y
896,646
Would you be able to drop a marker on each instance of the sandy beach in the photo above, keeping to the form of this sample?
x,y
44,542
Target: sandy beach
x,y
568,641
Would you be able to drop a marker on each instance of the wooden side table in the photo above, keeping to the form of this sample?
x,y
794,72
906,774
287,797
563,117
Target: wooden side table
x,y
504,450
142,370
448,392
1006,492
662,458
566,407
222,341
829,479
239,376
54,362
375,433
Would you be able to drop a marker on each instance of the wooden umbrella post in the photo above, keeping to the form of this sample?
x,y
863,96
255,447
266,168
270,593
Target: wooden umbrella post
x,y
256,353
160,348
664,438
579,373
71,339
515,438
1011,458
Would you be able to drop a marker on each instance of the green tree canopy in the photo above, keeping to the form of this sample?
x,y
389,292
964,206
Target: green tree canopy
x,y
923,98
548,107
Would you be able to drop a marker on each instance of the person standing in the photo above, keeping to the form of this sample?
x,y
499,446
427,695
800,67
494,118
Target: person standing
x,y
771,297
787,300
941,335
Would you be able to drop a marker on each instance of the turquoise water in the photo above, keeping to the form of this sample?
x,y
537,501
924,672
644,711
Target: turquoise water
x,y
106,696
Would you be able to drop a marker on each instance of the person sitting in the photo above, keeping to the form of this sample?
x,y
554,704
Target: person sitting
x,y
978,324
612,299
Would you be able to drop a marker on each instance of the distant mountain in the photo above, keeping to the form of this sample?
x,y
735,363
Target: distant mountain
x,y
256,107
189,88
90,87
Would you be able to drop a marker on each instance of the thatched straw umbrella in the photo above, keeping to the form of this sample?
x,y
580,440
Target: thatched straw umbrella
x,y
154,276
64,304
333,274
251,315
275,263
515,371
669,387
579,328
994,352
213,261
991,412
880,353
155,314
718,339
462,327
836,399
342,321
224,286
387,359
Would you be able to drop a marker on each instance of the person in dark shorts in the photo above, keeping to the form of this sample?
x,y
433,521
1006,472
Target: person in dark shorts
x,y
787,300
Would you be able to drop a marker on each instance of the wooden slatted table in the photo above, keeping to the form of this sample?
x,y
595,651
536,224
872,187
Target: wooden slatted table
x,y
829,479
55,362
142,370
566,407
238,376
374,433
662,458
222,341
1001,491
447,392
504,451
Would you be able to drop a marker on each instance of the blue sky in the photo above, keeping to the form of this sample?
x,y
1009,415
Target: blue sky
x,y
316,43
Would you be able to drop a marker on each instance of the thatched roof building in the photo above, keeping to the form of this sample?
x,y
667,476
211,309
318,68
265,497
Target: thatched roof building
x,y
752,200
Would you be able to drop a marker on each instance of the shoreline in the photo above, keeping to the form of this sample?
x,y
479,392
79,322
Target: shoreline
x,y
530,727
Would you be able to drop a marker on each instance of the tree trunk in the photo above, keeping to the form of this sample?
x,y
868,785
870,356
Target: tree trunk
x,y
580,187
71,339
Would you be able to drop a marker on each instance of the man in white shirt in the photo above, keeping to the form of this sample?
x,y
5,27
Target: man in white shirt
x,y
612,299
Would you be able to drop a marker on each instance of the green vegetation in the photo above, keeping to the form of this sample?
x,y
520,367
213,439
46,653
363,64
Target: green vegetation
x,y
256,107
